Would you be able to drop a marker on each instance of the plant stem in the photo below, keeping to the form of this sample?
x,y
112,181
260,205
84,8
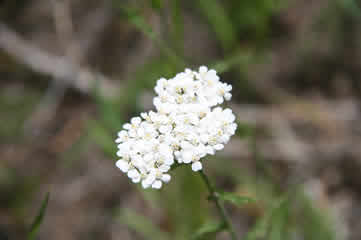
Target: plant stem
x,y
219,205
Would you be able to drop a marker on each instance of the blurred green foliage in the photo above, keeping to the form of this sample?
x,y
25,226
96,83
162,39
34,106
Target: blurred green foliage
x,y
35,226
17,108
209,230
234,198
183,202
142,225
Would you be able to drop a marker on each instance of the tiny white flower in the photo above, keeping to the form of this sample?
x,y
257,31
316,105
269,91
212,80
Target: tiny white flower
x,y
135,121
227,96
122,165
166,178
145,184
127,126
187,156
149,179
165,129
218,147
133,173
157,184
164,168
188,124
203,69
196,166
136,179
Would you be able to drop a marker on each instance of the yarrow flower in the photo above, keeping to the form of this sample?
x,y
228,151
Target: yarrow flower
x,y
187,125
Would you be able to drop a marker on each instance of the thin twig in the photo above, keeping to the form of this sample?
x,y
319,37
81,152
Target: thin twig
x,y
46,109
59,68
222,211
64,30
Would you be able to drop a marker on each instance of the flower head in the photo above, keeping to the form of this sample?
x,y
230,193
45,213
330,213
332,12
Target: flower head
x,y
187,126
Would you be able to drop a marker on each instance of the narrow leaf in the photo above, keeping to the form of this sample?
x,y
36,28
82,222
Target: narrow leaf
x,y
39,218
259,231
135,18
279,220
220,21
177,29
208,229
241,58
234,198
142,225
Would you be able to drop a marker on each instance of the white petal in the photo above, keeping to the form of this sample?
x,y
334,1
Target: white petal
x,y
166,178
132,133
197,166
144,115
203,69
145,184
204,138
120,153
148,157
227,96
169,161
164,168
210,150
225,138
212,72
133,173
187,157
165,128
122,165
140,132
218,147
149,179
227,111
157,184
122,134
136,179
136,120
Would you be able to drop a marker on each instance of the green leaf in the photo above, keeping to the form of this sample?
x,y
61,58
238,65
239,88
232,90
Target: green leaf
x,y
240,58
279,221
208,229
157,4
102,137
259,231
139,22
177,27
314,222
351,6
142,225
219,19
244,130
135,18
234,198
264,225
39,218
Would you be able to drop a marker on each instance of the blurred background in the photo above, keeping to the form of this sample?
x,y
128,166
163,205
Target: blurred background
x,y
73,71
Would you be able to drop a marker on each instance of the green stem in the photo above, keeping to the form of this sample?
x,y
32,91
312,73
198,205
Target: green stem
x,y
219,205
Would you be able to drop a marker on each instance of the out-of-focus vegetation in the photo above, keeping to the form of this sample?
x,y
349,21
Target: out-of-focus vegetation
x,y
295,71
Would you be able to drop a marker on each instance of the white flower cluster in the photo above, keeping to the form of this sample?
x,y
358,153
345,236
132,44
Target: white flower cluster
x,y
187,126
